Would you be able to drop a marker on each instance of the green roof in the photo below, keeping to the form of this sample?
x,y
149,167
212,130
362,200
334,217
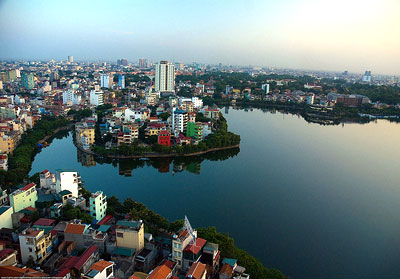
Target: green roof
x,y
65,192
4,209
231,262
104,228
127,252
130,224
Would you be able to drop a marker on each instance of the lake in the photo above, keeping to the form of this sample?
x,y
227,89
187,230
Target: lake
x,y
313,201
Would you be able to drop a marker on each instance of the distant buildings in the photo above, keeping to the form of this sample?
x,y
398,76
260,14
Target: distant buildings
x,y
164,77
121,81
70,59
70,98
143,63
28,81
122,62
265,88
106,80
367,77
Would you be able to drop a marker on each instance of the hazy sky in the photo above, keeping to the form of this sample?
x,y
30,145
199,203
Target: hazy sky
x,y
353,35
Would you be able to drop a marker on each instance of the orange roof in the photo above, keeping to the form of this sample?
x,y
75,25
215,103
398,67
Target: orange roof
x,y
160,272
75,228
196,270
100,265
13,271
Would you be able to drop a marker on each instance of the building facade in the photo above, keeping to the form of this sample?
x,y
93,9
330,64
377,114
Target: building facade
x,y
24,197
164,77
98,205
130,234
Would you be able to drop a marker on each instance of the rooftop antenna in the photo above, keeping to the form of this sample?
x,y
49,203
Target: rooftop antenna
x,y
190,231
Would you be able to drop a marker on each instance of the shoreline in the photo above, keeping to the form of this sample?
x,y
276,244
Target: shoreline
x,y
158,155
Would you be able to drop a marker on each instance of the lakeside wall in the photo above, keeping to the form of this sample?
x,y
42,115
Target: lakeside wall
x,y
158,155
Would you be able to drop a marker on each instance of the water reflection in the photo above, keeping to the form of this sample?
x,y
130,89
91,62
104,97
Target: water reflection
x,y
163,165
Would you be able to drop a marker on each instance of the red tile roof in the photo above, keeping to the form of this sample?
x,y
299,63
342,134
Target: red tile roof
x,y
196,271
105,220
27,187
75,228
196,247
44,222
85,256
45,171
13,271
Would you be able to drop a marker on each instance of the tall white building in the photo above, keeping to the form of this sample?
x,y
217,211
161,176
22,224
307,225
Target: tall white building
x,y
179,121
165,77
67,180
70,98
70,59
96,98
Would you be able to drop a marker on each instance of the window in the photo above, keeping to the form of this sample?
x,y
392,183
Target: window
x,y
30,249
120,234
179,254
175,245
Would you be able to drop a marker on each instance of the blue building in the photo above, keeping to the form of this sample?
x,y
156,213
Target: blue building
x,y
27,81
121,81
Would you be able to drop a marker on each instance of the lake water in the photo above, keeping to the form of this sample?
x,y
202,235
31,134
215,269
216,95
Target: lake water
x,y
313,201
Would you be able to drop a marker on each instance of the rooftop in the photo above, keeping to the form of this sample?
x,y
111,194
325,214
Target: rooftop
x,y
196,247
129,224
126,252
44,222
75,228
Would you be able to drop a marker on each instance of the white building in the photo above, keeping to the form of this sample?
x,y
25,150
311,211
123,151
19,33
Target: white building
x,y
70,98
197,102
265,88
96,98
179,243
47,179
179,121
100,270
67,180
165,77
70,59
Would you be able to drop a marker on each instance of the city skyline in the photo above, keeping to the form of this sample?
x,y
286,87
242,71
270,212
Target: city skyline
x,y
345,35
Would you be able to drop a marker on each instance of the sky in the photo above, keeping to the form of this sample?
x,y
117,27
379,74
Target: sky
x,y
353,35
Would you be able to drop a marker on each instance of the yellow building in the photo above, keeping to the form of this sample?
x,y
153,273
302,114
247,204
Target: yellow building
x,y
8,141
85,134
35,245
130,234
